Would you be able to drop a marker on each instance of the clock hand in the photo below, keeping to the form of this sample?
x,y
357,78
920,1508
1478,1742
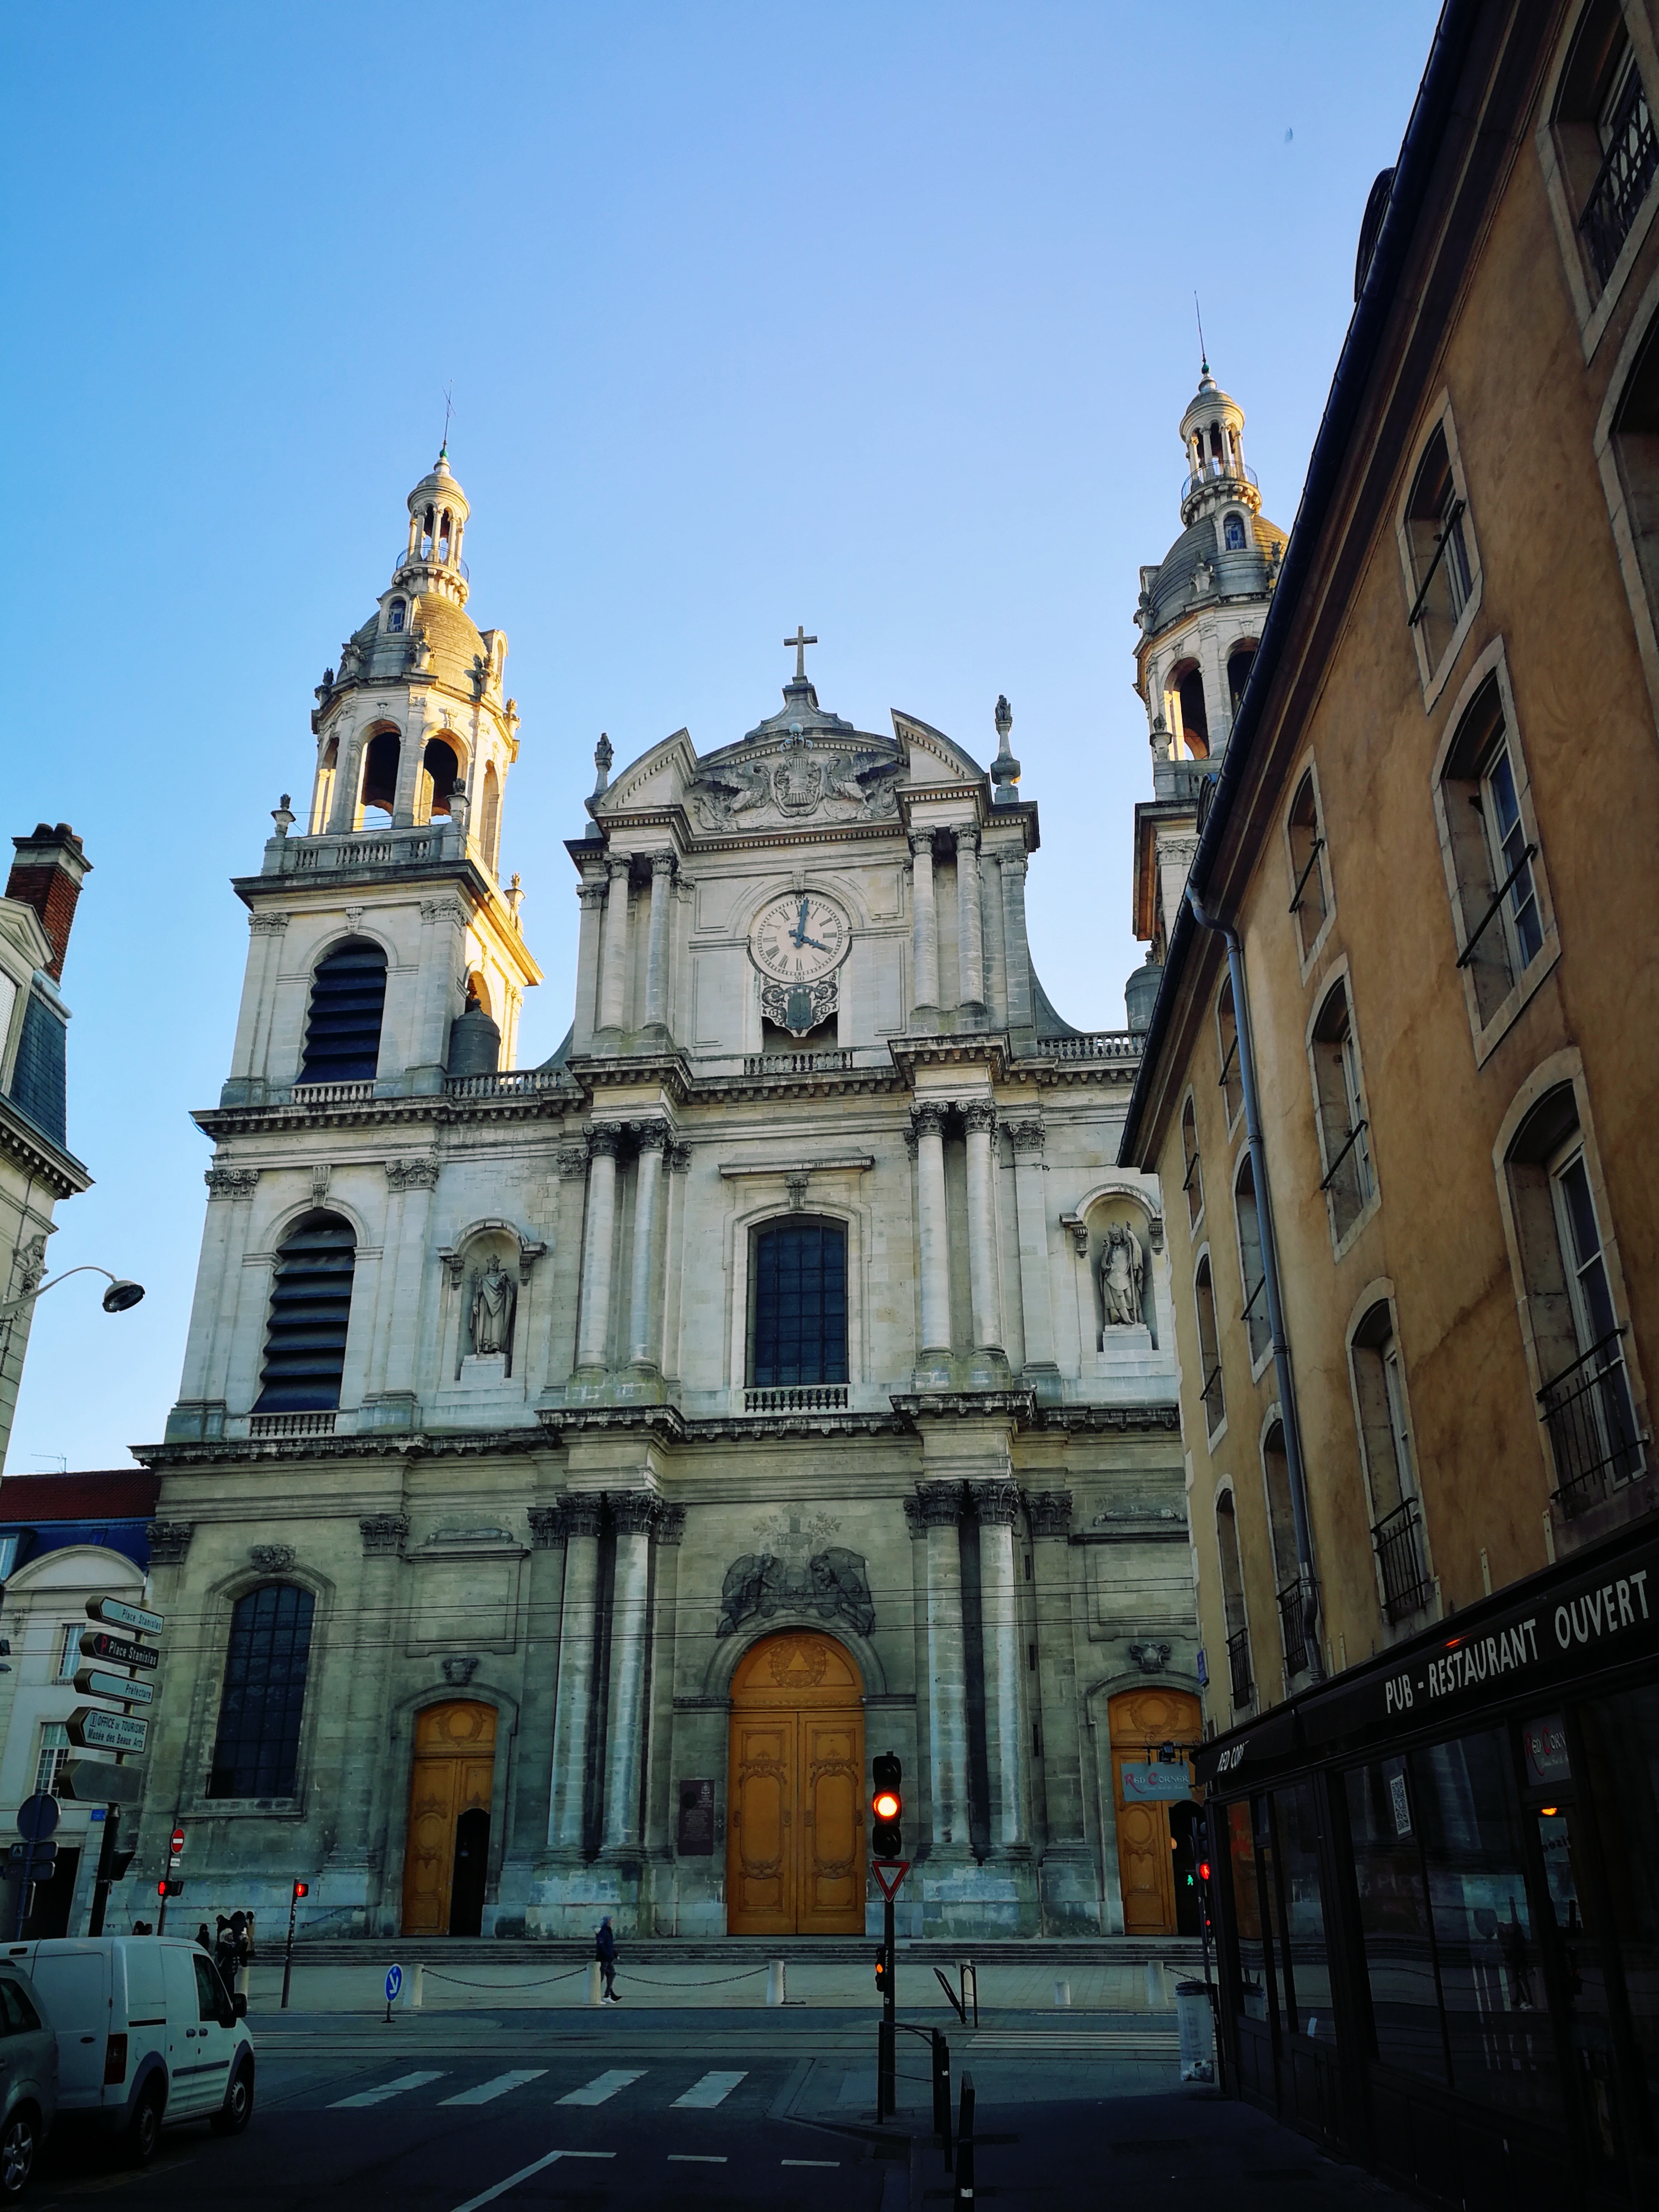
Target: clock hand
x,y
799,931
813,942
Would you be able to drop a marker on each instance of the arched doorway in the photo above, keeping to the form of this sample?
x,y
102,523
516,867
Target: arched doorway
x,y
794,1830
1139,1719
447,1854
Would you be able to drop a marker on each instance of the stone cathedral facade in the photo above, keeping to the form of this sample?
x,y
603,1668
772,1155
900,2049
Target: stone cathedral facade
x,y
579,1473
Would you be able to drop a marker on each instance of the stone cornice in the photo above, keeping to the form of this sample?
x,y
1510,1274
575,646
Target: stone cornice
x,y
913,1406
33,1151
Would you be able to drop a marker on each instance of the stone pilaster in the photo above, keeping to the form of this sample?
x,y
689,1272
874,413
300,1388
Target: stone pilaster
x,y
970,930
613,959
984,1274
947,1670
593,1333
633,1512
1016,953
924,922
932,1233
1068,1880
656,943
997,1504
539,1702
652,1139
1036,1311
357,1859
574,1718
591,892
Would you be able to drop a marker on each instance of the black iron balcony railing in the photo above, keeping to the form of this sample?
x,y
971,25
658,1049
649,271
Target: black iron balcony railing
x,y
1293,1626
1238,1666
1592,1424
1622,182
1398,1537
1215,1405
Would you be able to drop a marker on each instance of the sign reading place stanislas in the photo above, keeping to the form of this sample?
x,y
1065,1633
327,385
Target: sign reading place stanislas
x,y
1605,1615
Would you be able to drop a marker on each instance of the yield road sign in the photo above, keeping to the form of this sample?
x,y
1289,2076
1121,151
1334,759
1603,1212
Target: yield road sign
x,y
99,1682
394,1981
98,1782
37,1817
114,1614
91,1728
890,1873
116,1651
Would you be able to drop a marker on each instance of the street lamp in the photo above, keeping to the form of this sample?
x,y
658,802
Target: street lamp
x,y
118,1297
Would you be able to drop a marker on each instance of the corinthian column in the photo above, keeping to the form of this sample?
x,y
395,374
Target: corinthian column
x,y
656,943
633,1512
970,922
573,1717
653,1140
613,964
935,1249
924,920
1035,1309
591,891
1016,953
981,1118
603,1139
947,1669
1005,1725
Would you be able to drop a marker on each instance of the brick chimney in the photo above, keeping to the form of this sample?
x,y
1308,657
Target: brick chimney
x,y
47,875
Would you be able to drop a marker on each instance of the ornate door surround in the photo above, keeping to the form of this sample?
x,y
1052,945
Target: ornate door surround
x,y
1146,1877
453,1771
795,1837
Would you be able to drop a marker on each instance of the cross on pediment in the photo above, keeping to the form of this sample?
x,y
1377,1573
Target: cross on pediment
x,y
801,641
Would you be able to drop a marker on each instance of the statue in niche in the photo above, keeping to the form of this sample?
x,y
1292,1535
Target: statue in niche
x,y
1122,1274
494,1295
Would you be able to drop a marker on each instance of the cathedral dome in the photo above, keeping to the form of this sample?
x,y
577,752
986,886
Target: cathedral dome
x,y
1234,572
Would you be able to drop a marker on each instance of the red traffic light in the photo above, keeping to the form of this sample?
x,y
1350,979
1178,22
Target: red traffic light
x,y
885,1805
178,1841
160,1889
302,1889
1204,1869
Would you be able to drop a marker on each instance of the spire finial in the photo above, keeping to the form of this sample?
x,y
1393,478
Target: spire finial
x,y
801,641
1203,350
449,409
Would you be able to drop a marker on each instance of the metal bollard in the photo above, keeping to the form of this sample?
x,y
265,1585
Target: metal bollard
x,y
412,1996
774,1982
1062,1993
1154,1986
942,2093
968,1982
1196,2026
595,1986
963,2193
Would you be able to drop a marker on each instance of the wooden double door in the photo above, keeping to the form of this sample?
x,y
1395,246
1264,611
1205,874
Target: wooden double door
x,y
794,1849
447,1858
1139,1719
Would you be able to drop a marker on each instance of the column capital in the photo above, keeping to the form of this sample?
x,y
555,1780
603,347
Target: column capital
x,y
618,864
670,1524
412,1175
913,1520
573,1162
383,1535
662,864
267,925
922,840
603,1139
1028,1136
679,1159
231,1182
169,1541
939,1503
980,1114
582,1510
591,891
652,1136
996,1503
967,837
547,1528
1012,864
1050,1512
927,1119
633,1512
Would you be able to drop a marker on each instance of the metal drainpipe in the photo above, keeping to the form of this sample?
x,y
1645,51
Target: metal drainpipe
x,y
1288,1414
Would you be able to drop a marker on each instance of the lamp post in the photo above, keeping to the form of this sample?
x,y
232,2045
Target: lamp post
x,y
120,1295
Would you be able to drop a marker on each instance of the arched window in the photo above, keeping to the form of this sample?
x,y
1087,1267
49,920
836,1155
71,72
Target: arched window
x,y
1604,135
490,831
1249,1260
1232,534
322,796
395,614
1635,448
1340,1100
1194,721
348,999
1486,818
1232,1601
380,757
1209,1350
1309,903
1193,1182
440,772
1240,661
1230,1081
443,537
1586,1402
1379,1396
1287,1577
310,1308
798,1327
1437,545
256,1753
427,523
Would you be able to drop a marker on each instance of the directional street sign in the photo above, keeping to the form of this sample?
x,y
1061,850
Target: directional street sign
x,y
114,1614
394,1981
99,1682
91,1728
116,1651
100,1781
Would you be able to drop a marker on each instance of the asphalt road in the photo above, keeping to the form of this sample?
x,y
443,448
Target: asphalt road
x,y
455,2115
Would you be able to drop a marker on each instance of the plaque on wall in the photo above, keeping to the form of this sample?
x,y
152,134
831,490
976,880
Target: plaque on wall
x,y
696,1826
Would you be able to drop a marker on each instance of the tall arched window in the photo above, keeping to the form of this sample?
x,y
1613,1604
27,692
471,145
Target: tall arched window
x,y
1485,814
1209,1351
1287,1577
322,798
1232,534
1379,1391
395,614
1240,661
1250,1260
347,1000
441,768
380,757
1309,901
1193,1182
310,1308
1231,1082
1195,720
1232,1601
1339,1095
1437,542
1604,135
799,1332
256,1753
490,827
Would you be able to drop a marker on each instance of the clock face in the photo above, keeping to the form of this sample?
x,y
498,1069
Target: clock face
x,y
799,938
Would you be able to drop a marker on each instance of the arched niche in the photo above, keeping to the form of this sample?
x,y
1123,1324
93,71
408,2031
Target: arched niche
x,y
488,1272
1105,1221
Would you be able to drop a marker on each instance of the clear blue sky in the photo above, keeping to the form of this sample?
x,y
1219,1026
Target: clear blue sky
x,y
876,317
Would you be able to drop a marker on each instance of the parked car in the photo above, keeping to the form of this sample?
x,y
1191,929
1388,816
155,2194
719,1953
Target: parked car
x,y
28,2078
147,2034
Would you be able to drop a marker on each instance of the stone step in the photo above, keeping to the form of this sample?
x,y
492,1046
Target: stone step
x,y
1178,1951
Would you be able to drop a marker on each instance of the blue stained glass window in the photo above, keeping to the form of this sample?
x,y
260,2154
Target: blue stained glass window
x,y
800,1304
256,1753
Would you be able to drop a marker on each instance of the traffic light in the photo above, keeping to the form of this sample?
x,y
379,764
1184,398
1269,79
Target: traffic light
x,y
886,1807
301,1889
1186,1836
881,1971
169,1889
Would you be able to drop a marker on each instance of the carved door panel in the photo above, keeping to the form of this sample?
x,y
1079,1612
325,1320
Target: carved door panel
x,y
760,1851
453,1772
832,1824
1141,1719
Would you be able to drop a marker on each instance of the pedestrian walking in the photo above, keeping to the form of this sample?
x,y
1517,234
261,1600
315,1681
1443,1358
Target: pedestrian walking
x,y
203,1940
605,1950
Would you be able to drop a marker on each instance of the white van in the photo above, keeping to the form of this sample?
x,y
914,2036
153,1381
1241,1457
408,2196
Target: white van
x,y
147,2034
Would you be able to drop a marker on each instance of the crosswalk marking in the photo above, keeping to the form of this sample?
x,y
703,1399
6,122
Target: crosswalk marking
x,y
489,2196
603,2086
487,2092
694,2157
808,2161
712,2089
386,2089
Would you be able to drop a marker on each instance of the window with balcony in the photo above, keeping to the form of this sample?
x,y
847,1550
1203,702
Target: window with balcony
x,y
310,1310
1193,1180
1437,545
1209,1349
1231,1082
1587,1402
1288,1590
798,1327
1398,1538
1604,135
1349,1182
1311,888
1252,1276
348,1003
1489,842
54,1748
1242,1685
256,1753
1635,449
